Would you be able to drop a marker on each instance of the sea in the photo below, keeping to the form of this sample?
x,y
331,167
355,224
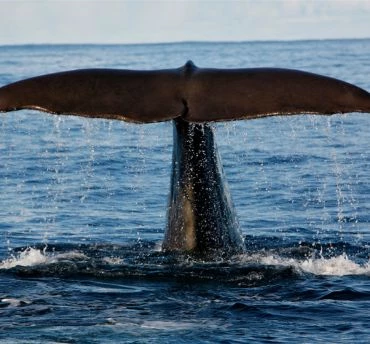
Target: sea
x,y
83,212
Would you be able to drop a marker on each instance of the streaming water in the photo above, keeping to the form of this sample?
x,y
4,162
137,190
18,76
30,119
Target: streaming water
x,y
83,210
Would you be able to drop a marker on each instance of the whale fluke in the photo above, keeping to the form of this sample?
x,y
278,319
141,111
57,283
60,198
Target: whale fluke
x,y
196,94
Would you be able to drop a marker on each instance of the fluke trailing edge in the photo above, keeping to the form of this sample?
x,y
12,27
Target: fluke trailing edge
x,y
201,217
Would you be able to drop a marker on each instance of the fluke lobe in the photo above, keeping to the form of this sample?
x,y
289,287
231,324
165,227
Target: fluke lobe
x,y
201,217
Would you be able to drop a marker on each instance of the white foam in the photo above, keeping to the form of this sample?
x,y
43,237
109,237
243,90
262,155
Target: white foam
x,y
336,266
113,260
32,257
169,325
15,302
28,257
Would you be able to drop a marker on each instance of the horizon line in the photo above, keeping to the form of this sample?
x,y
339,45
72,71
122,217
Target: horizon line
x,y
189,42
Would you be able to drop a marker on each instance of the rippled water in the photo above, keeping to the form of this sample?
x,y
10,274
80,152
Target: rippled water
x,y
83,205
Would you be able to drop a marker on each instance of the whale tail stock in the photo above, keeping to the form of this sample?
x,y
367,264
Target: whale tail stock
x,y
201,216
196,94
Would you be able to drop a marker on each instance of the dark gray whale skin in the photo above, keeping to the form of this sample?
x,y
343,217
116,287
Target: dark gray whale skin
x,y
196,94
201,217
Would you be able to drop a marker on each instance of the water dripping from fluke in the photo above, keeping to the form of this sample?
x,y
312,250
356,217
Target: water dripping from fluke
x,y
201,216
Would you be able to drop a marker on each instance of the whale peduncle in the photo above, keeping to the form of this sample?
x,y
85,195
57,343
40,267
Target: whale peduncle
x,y
201,218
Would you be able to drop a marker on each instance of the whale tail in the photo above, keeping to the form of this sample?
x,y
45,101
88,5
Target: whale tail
x,y
201,216
195,94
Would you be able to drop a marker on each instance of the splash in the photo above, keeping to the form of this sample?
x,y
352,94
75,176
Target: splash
x,y
340,265
147,264
33,257
28,257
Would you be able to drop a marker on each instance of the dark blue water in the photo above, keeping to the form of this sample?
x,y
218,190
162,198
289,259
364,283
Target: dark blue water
x,y
83,210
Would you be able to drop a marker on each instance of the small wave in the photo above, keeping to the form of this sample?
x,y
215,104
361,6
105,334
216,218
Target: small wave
x,y
169,325
12,302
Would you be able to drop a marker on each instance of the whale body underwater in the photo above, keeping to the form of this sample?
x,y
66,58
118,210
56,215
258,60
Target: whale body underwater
x,y
201,218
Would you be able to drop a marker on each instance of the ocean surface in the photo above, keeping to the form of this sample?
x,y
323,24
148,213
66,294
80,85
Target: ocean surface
x,y
83,211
